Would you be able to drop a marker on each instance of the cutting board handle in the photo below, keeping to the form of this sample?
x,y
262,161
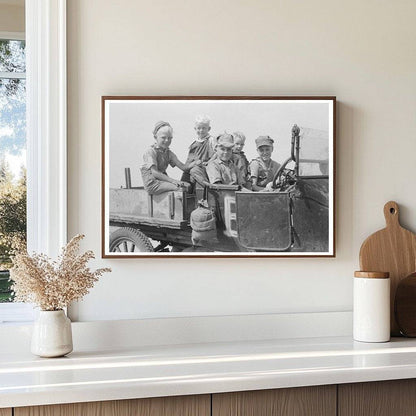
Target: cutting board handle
x,y
391,214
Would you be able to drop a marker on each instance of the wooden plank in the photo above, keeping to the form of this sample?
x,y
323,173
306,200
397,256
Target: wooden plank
x,y
5,412
138,221
381,398
160,406
307,401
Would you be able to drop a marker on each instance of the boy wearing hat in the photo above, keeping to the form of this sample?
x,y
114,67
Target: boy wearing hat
x,y
156,160
263,168
221,169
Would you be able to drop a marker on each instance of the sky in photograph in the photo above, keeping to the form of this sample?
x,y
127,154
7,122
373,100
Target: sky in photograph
x,y
130,126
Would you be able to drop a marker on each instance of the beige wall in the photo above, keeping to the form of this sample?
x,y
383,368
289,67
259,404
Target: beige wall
x,y
12,18
361,51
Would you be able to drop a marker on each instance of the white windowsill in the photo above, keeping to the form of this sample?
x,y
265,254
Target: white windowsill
x,y
16,313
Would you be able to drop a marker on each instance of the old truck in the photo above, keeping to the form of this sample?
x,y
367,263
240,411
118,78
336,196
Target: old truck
x,y
292,217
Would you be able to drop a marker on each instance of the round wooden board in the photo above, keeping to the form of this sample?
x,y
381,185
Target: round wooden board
x,y
405,306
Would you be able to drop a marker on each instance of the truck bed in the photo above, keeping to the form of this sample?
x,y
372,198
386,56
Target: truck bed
x,y
135,206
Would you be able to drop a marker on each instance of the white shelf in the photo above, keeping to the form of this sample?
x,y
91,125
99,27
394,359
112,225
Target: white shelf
x,y
150,371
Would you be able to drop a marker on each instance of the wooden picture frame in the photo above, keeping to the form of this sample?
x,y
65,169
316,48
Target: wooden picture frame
x,y
278,201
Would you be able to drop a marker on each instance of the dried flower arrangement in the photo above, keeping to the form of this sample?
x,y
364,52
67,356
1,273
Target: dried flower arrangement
x,y
53,285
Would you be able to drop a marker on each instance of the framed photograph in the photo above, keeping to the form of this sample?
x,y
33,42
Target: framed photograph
x,y
218,177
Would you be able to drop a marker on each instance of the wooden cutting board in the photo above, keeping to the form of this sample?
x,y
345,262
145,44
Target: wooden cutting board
x,y
405,306
393,250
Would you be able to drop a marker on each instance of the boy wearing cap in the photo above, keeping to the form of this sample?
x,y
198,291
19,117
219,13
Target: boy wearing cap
x,y
202,148
221,169
263,168
156,160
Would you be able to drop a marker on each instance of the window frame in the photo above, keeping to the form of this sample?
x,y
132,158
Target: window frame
x,y
46,138
12,36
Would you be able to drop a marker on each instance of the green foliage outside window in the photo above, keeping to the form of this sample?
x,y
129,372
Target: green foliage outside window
x,y
12,223
12,144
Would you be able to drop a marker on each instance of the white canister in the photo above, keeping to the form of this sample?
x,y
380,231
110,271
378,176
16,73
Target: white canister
x,y
371,313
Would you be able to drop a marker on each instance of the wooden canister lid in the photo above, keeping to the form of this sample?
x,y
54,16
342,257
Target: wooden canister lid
x,y
372,275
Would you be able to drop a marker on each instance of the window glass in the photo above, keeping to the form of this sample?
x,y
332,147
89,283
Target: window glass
x,y
12,56
12,156
313,153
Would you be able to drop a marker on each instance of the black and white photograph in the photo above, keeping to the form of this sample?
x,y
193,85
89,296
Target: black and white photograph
x,y
218,176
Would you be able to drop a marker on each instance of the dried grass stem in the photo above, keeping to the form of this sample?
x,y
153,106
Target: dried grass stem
x,y
53,285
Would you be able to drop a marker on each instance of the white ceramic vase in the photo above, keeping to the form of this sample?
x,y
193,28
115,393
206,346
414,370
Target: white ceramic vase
x,y
52,334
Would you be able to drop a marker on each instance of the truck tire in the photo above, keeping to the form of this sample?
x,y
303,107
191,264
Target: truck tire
x,y
129,240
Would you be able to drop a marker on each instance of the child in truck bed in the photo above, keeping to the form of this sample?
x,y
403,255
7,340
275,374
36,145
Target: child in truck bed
x,y
157,159
202,148
239,158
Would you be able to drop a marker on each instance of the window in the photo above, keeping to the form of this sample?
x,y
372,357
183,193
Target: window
x,y
45,135
12,153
